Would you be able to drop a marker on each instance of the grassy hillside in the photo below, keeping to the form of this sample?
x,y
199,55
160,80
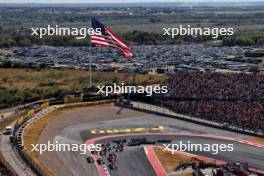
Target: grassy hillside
x,y
24,85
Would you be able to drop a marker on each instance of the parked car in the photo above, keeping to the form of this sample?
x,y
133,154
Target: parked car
x,y
8,130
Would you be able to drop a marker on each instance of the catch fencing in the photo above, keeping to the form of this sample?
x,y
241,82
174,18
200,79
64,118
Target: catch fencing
x,y
24,120
163,111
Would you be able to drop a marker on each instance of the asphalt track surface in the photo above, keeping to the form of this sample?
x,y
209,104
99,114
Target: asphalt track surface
x,y
242,152
133,161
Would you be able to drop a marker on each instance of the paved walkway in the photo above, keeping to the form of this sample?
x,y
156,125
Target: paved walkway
x,y
12,158
6,112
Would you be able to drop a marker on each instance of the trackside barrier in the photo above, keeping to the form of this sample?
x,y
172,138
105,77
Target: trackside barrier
x,y
30,117
73,99
44,105
149,108
17,138
29,162
7,170
84,104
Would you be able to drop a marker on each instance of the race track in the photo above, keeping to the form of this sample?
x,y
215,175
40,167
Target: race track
x,y
242,153
133,160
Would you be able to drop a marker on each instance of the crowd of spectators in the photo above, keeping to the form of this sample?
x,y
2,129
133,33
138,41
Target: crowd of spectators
x,y
217,85
234,99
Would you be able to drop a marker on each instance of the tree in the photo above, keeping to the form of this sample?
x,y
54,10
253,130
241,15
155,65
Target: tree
x,y
244,41
228,41
260,42
24,42
7,64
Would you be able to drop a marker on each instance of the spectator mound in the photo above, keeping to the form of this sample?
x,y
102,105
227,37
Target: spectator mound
x,y
234,99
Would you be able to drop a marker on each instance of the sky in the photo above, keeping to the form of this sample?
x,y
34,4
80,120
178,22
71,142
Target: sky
x,y
119,1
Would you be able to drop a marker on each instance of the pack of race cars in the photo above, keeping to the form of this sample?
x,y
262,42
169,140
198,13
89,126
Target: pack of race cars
x,y
109,150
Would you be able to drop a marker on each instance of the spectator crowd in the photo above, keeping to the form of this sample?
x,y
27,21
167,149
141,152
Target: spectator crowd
x,y
234,99
217,85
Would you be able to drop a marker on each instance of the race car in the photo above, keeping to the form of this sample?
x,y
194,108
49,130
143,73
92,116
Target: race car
x,y
112,166
90,159
100,161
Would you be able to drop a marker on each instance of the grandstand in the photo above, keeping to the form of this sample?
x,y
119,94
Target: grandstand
x,y
234,99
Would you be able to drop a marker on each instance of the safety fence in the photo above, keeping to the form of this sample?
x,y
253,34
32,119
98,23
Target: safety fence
x,y
34,110
155,109
17,137
5,168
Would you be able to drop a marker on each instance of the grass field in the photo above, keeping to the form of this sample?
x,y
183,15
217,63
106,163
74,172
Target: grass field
x,y
66,78
257,140
249,19
24,85
171,161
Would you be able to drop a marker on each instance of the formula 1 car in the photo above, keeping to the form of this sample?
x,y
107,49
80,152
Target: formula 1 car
x,y
90,159
100,161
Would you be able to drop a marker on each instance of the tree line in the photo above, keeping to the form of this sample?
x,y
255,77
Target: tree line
x,y
135,37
